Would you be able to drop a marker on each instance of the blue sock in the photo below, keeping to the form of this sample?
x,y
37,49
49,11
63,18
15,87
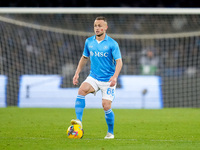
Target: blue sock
x,y
79,106
110,118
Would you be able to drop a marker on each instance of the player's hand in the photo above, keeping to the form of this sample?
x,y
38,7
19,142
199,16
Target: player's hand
x,y
75,79
113,81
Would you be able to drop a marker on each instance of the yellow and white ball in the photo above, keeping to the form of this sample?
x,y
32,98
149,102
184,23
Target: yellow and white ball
x,y
75,132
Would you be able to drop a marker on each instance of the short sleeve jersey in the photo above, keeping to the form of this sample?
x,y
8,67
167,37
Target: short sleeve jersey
x,y
103,57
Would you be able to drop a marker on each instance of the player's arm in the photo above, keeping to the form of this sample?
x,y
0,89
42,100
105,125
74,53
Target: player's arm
x,y
80,66
113,79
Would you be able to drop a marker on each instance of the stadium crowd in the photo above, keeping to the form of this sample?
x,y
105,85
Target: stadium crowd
x,y
43,52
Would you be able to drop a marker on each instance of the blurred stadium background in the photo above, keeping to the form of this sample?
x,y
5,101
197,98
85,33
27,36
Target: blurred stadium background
x,y
161,44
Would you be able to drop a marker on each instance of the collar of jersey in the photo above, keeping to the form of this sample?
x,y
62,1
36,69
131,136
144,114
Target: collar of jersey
x,y
106,37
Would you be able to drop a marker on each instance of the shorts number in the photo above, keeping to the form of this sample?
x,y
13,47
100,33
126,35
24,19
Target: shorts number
x,y
110,91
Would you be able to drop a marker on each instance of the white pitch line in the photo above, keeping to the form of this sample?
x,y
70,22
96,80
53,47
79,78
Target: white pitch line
x,y
158,140
153,140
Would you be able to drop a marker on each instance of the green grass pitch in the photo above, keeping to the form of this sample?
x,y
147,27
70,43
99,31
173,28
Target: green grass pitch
x,y
139,129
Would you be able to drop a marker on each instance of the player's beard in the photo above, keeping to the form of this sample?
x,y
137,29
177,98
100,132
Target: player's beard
x,y
100,34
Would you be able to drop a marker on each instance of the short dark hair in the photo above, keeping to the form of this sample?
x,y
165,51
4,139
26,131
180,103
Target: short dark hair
x,y
101,18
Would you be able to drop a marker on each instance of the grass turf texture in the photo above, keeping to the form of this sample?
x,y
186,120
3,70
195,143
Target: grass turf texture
x,y
43,128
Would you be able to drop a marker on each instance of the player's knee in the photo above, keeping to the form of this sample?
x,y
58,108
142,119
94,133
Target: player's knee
x,y
106,105
82,91
85,89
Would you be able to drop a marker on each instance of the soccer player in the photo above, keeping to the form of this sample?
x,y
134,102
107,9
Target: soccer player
x,y
106,64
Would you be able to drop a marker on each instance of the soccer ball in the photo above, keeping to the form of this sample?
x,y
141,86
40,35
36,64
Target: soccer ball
x,y
75,132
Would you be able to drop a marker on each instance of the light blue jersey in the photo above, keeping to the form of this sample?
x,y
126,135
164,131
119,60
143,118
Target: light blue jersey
x,y
102,56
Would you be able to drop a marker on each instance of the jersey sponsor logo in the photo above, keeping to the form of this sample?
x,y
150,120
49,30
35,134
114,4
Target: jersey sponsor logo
x,y
99,54
91,53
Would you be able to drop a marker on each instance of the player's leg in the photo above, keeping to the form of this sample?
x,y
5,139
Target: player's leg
x,y
110,118
108,94
86,87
